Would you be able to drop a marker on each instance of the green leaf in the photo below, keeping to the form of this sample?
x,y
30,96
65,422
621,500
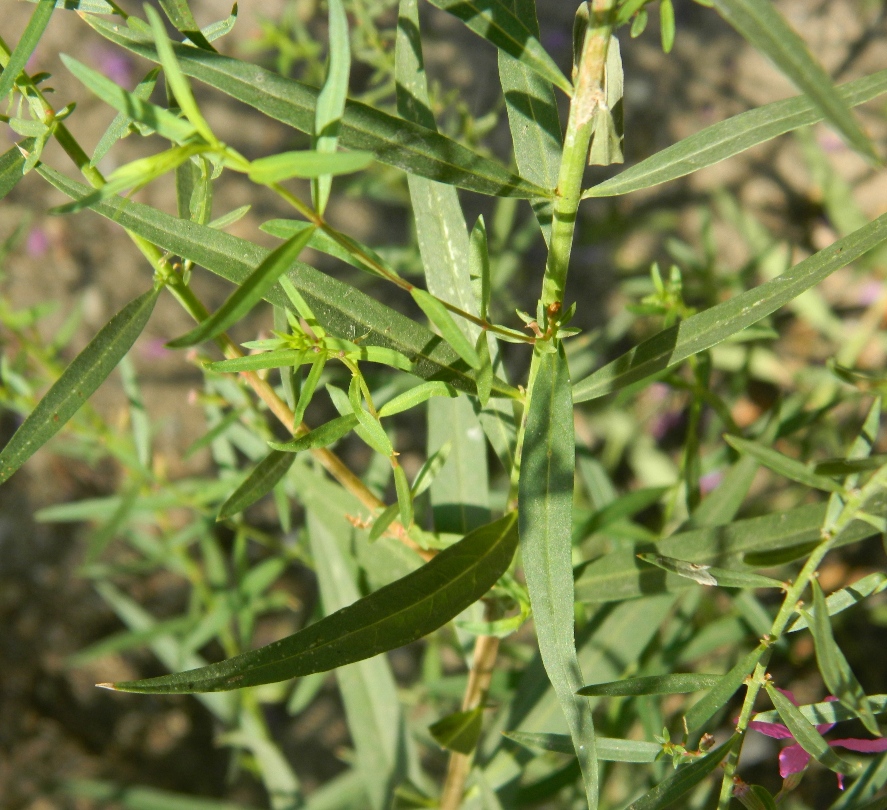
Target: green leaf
x,y
732,136
162,121
492,20
652,685
385,752
343,310
130,797
322,436
258,483
248,294
805,733
683,780
763,26
175,78
836,672
77,383
846,598
18,59
609,749
441,318
373,432
532,118
181,17
716,324
828,711
309,386
12,165
545,498
710,575
394,141
704,709
120,126
459,731
416,396
333,94
279,358
783,465
620,575
393,616
306,163
850,466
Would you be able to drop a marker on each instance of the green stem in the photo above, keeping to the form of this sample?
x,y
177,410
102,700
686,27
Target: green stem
x,y
589,93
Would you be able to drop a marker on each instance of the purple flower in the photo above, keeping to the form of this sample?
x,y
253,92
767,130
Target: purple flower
x,y
793,758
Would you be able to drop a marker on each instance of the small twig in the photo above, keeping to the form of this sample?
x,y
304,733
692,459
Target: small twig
x,y
483,662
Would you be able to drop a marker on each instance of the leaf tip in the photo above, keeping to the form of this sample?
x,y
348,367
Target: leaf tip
x,y
110,686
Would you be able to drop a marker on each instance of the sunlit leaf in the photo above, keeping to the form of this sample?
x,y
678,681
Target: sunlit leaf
x,y
652,685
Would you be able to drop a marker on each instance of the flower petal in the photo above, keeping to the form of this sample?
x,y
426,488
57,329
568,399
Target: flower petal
x,y
775,730
863,746
792,759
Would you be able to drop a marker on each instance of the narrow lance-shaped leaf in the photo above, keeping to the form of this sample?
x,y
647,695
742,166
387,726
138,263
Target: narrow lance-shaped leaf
x,y
459,731
12,165
394,141
248,294
609,749
308,388
181,17
321,436
702,711
307,164
342,310
732,136
683,780
783,465
532,118
545,499
711,575
492,20
764,27
438,315
716,324
836,672
416,396
393,616
846,598
258,483
255,362
830,711
162,121
805,733
331,101
78,381
175,78
25,47
652,685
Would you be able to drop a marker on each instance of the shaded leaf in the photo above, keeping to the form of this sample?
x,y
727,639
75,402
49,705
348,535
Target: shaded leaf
x,y
652,685
307,164
783,465
78,381
441,318
609,749
258,483
711,575
393,616
12,165
322,436
459,731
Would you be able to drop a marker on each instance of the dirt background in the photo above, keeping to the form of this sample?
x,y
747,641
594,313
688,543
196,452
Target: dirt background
x,y
53,723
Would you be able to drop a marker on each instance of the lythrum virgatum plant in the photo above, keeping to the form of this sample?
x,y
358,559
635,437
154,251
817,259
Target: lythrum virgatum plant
x,y
504,520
